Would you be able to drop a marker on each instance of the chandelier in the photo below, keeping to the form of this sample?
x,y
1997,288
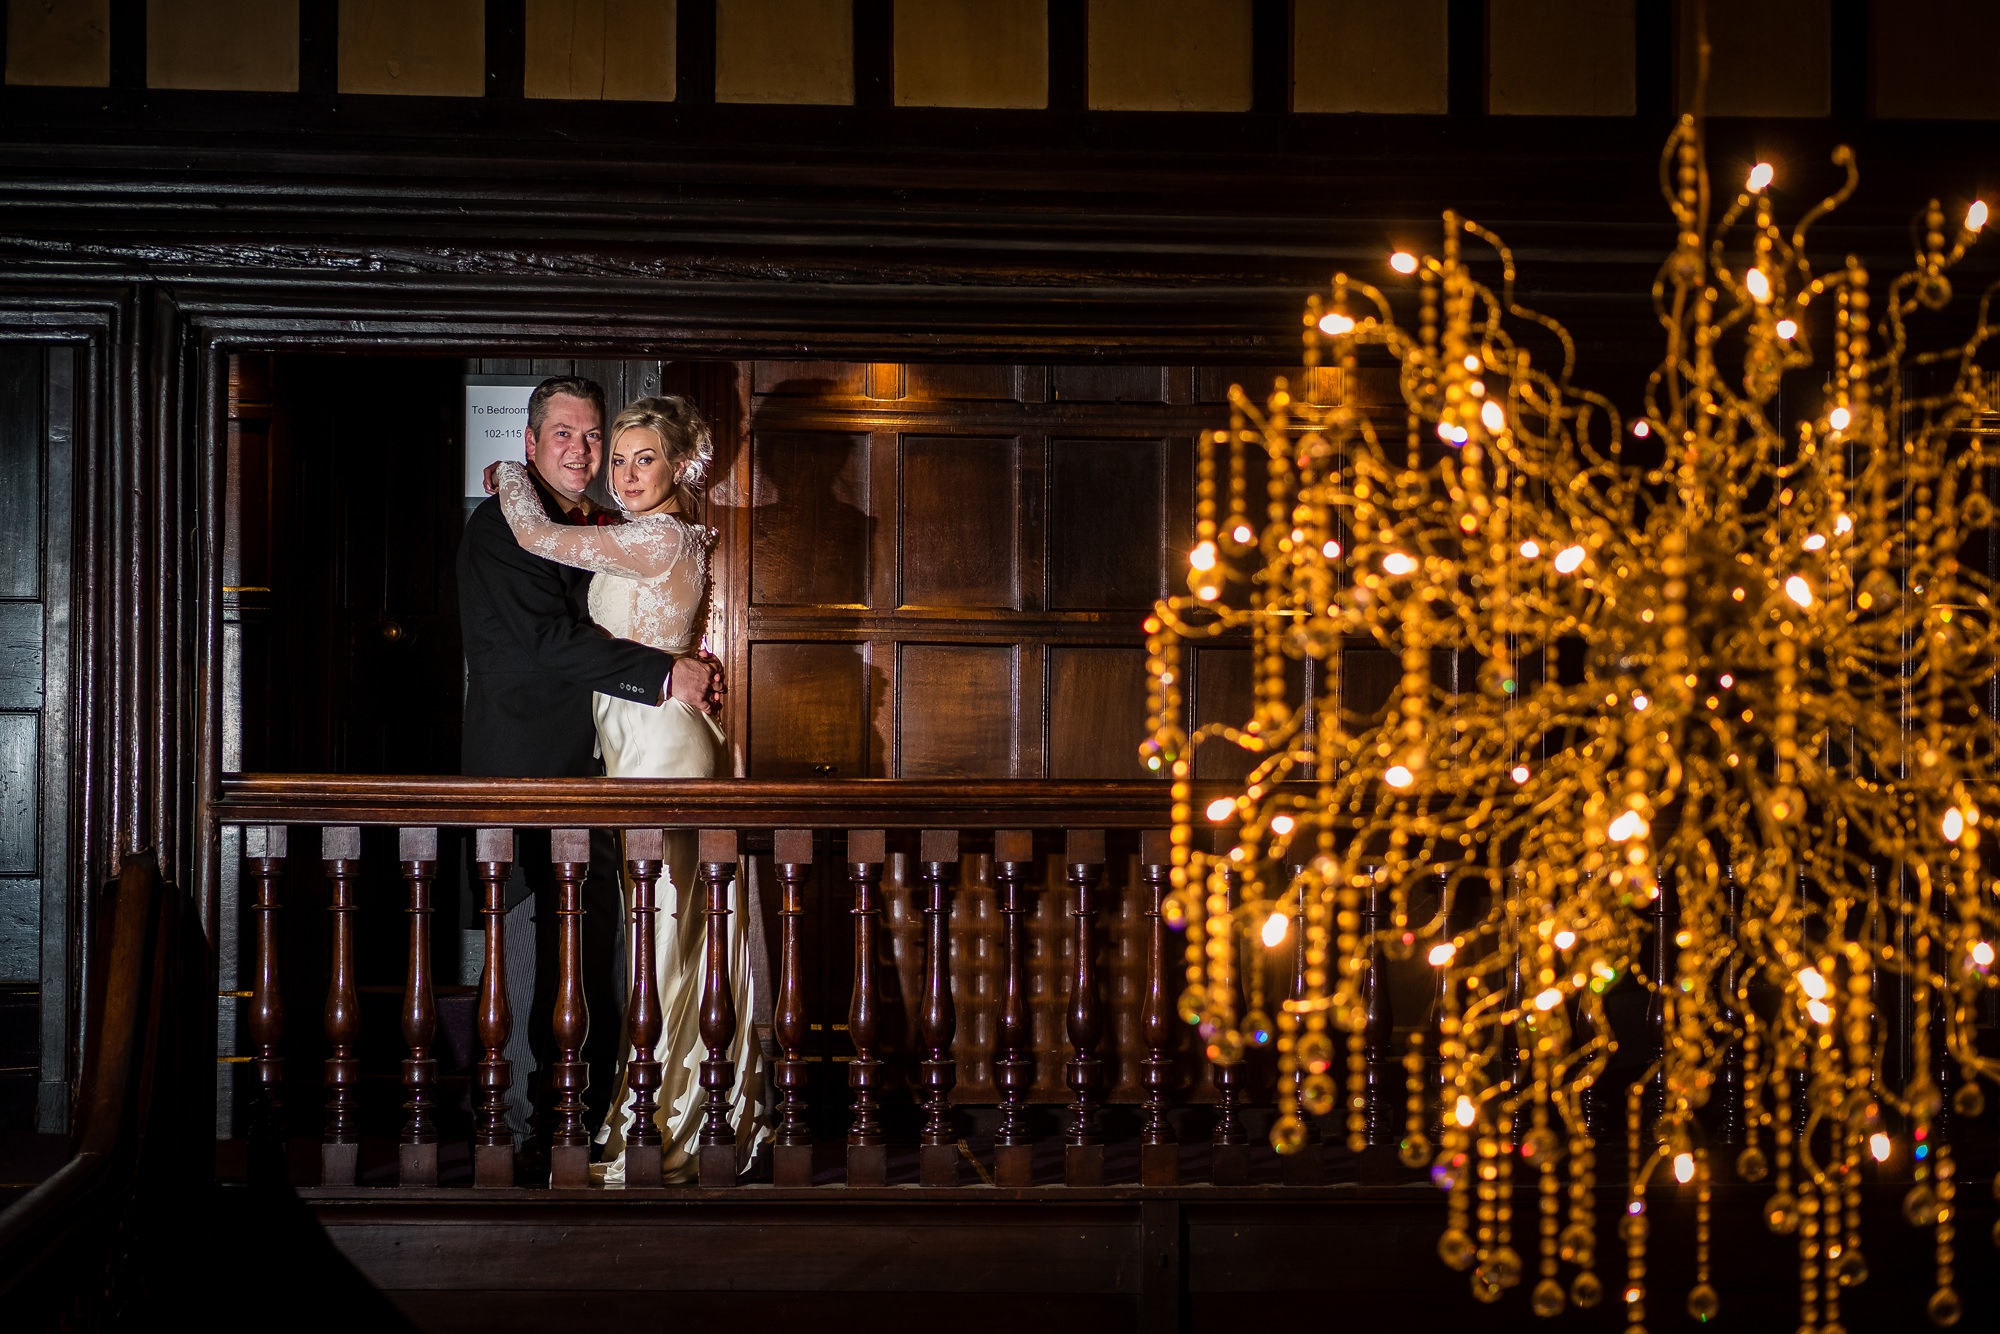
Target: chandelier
x,y
1699,702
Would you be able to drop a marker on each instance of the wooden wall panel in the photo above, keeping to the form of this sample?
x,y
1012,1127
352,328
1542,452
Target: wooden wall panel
x,y
429,48
1918,76
1368,676
1108,384
1097,712
791,51
20,473
959,522
807,379
20,747
1367,56
1170,55
1222,682
1107,523
809,711
1561,58
241,45
59,43
810,539
1773,58
616,50
955,711
972,53
953,381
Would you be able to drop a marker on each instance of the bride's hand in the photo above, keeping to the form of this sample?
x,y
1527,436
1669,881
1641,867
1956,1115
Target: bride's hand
x,y
488,478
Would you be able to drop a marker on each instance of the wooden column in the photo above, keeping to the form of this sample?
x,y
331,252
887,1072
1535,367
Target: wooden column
x,y
264,849
937,1154
867,1144
340,849
569,1142
1014,1039
717,1162
1159,1025
1229,1144
1083,1152
792,1154
645,854
417,1154
492,1142
1307,1167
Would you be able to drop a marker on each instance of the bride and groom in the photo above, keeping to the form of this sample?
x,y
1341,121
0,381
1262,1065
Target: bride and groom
x,y
582,630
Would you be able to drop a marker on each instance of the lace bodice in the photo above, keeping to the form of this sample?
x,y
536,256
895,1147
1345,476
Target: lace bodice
x,y
652,572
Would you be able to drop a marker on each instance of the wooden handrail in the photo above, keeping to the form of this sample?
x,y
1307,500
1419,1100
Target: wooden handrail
x,y
66,1252
739,803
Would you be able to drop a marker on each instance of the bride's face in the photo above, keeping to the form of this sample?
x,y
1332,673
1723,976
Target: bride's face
x,y
641,477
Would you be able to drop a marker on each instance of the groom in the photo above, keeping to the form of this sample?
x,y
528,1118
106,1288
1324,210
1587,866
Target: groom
x,y
533,659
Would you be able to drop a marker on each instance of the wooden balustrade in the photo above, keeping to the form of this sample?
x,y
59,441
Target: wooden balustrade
x,y
1087,1043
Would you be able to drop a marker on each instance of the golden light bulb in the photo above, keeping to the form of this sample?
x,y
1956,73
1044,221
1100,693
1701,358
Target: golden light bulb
x,y
1569,560
1761,176
1399,563
1982,953
1628,826
1565,939
1839,418
1208,592
1471,361
1843,524
1530,549
1441,955
1819,1012
1640,430
1787,329
1683,1167
1398,776
1953,825
1759,286
1975,217
1281,824
1331,550
1519,773
1336,324
1464,1112
1641,703
1813,983
1221,809
1242,532
1276,927
1878,1146
1403,262
1494,416
1799,591
1203,556
1549,999
1726,681
1814,541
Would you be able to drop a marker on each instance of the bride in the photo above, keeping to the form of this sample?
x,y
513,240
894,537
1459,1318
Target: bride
x,y
652,585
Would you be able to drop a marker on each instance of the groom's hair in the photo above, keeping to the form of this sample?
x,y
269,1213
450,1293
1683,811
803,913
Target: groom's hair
x,y
573,385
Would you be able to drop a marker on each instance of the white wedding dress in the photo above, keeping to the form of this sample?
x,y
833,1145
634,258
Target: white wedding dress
x,y
651,585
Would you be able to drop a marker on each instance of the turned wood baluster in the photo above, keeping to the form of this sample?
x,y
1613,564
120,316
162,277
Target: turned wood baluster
x,y
1229,1143
264,849
417,1155
492,1142
1307,1167
717,1166
867,1144
569,1142
1159,1154
340,849
1083,1151
937,1153
1013,1046
645,853
792,1154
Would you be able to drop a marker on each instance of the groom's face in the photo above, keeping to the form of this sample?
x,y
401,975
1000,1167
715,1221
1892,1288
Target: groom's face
x,y
566,449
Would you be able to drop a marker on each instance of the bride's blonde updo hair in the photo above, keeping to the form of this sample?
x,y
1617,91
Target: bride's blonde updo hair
x,y
684,436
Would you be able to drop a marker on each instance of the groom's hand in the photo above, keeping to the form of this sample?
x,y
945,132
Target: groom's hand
x,y
697,681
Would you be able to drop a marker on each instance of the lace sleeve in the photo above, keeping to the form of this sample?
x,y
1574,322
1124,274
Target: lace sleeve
x,y
635,550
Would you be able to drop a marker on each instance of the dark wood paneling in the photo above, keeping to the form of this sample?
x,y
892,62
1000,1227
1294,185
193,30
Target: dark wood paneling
x,y
959,522
1106,521
1368,676
1097,707
955,712
1108,384
20,944
20,737
20,655
948,381
809,711
20,472
810,379
1211,383
1222,683
809,519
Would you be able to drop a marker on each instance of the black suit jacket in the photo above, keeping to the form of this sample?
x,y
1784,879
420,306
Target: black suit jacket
x,y
534,658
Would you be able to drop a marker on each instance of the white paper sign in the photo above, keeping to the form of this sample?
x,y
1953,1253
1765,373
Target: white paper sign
x,y
496,415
